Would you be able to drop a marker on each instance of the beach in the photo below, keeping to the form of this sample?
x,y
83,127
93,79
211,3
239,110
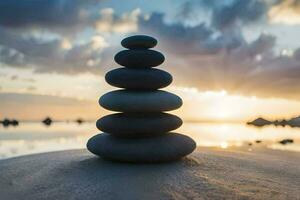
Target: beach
x,y
208,173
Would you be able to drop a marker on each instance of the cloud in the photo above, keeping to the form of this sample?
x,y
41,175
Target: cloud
x,y
43,35
98,42
10,56
109,22
188,38
286,12
51,40
46,13
262,45
297,54
239,11
208,59
53,55
67,17
201,39
227,13
210,55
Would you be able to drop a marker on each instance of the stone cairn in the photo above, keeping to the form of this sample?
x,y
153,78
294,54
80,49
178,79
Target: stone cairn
x,y
140,131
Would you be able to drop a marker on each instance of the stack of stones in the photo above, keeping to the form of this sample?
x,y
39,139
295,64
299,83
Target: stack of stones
x,y
140,131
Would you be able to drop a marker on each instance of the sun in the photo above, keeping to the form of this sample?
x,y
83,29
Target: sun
x,y
222,108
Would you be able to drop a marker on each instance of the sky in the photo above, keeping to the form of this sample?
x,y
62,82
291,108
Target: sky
x,y
231,60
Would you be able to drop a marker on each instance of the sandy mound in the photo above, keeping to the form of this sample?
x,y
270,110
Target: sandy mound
x,y
206,174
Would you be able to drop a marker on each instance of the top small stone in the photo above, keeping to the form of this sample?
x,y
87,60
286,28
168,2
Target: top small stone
x,y
139,42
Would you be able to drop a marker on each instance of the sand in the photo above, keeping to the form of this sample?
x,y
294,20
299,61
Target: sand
x,y
209,173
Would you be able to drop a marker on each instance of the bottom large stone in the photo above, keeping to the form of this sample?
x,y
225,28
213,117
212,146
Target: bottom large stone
x,y
164,148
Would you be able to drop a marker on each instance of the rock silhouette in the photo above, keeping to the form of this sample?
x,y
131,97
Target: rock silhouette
x,y
79,121
9,122
47,121
260,122
141,131
286,141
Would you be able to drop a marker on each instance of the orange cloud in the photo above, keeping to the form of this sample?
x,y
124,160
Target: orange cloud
x,y
286,12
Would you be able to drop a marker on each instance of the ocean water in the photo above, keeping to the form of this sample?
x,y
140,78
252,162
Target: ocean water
x,y
31,138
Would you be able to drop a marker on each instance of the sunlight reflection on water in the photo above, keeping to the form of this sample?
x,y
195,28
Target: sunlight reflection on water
x,y
29,138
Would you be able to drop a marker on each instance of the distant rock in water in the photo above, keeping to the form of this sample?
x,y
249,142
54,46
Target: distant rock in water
x,y
294,122
79,121
14,122
259,122
280,122
48,121
286,141
7,122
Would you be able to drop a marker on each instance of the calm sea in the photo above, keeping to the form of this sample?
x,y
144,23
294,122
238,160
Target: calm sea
x,y
30,138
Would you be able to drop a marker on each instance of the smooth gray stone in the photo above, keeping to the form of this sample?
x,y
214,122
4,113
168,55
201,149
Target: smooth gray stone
x,y
164,148
139,58
147,79
130,124
139,42
140,101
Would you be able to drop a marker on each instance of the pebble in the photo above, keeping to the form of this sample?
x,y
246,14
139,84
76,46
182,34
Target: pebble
x,y
123,124
139,42
140,79
139,58
165,148
140,101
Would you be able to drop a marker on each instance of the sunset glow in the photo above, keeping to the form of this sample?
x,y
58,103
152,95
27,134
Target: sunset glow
x,y
224,70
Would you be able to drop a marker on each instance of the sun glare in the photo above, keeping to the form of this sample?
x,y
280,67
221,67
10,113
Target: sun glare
x,y
226,107
224,145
